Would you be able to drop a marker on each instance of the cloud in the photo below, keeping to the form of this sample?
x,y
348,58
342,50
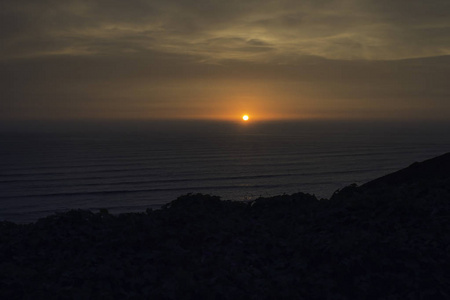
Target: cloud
x,y
81,86
142,57
337,29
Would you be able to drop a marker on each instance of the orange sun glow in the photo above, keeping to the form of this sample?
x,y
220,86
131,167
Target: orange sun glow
x,y
245,117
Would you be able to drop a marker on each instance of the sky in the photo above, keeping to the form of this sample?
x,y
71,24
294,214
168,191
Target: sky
x,y
200,59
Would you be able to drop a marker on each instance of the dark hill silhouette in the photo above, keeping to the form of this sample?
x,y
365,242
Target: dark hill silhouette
x,y
421,180
431,170
388,239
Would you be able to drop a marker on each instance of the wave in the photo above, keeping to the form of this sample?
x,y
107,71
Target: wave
x,y
118,192
203,179
274,162
292,156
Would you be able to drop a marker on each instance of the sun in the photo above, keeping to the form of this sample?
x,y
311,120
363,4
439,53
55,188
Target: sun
x,y
245,117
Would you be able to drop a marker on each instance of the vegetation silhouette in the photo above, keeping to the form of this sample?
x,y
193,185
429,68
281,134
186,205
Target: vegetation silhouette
x,y
388,238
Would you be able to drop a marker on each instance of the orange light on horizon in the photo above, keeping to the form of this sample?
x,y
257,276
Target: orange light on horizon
x,y
245,117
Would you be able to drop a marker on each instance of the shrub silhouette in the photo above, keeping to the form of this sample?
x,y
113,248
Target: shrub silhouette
x,y
385,239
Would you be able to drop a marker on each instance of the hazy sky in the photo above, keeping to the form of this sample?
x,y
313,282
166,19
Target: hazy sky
x,y
140,59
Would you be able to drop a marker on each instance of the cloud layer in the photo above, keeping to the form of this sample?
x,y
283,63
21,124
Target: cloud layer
x,y
216,30
202,58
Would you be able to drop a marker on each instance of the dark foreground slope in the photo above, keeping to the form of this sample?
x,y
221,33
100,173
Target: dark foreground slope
x,y
431,172
388,239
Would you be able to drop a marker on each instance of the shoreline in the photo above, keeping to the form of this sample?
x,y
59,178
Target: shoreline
x,y
387,238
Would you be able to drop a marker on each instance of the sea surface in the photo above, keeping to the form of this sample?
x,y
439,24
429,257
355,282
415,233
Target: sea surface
x,y
130,166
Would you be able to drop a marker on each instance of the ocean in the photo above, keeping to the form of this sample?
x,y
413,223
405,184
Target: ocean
x,y
130,166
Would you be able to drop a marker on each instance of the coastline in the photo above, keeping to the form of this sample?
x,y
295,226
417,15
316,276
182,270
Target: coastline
x,y
385,238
